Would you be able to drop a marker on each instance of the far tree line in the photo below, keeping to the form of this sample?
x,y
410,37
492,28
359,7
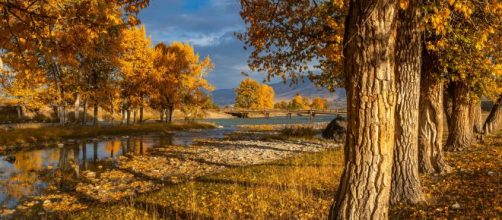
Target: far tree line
x,y
254,95
80,56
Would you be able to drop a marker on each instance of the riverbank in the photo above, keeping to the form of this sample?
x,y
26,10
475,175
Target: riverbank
x,y
163,166
303,186
30,138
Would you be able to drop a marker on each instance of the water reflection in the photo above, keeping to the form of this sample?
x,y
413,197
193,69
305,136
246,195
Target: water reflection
x,y
21,177
29,173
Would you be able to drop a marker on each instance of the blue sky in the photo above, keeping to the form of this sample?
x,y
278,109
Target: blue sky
x,y
209,25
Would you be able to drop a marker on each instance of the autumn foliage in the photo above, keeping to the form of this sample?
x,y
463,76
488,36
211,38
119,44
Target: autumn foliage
x,y
253,95
72,55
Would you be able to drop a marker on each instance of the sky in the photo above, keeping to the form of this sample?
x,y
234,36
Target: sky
x,y
209,26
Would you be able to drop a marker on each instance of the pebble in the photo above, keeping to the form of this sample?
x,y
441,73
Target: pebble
x,y
455,206
490,173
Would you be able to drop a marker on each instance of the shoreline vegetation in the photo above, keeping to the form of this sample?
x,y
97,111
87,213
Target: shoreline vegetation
x,y
24,138
302,186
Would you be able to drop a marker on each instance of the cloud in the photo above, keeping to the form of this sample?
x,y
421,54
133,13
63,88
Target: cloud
x,y
209,25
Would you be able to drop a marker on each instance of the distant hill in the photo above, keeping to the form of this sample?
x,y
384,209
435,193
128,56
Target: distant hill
x,y
285,91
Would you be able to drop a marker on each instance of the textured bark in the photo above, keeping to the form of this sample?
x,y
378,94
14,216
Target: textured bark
x,y
448,103
475,116
430,133
369,66
459,128
406,186
494,119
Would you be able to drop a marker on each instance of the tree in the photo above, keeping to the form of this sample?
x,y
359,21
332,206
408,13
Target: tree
x,y
406,186
319,103
136,66
462,35
288,36
48,35
365,184
281,105
179,77
494,119
252,95
266,97
431,118
298,102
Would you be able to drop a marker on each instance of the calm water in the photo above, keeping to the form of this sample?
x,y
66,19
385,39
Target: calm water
x,y
20,173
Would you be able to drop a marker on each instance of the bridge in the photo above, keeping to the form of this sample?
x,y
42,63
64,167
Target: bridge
x,y
244,113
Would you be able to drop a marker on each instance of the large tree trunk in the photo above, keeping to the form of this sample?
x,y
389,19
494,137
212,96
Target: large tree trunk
x,y
430,135
369,66
459,128
95,119
406,186
76,108
494,119
475,116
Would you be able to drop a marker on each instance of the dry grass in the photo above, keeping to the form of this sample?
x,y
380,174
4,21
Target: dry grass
x,y
300,131
303,187
299,187
50,134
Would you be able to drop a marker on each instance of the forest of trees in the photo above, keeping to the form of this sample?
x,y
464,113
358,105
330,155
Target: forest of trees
x,y
72,55
407,67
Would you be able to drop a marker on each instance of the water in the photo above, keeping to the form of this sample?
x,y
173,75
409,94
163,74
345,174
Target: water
x,y
20,173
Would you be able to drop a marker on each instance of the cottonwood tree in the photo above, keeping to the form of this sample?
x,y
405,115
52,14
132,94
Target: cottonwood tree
x,y
294,38
319,103
369,50
179,73
284,45
253,95
462,35
136,66
406,186
52,32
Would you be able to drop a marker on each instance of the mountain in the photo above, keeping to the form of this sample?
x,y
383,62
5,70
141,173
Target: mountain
x,y
285,92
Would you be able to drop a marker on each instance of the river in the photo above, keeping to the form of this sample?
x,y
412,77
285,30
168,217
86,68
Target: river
x,y
24,173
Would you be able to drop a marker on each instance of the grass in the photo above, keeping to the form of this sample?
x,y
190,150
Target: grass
x,y
299,131
57,133
298,187
303,187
